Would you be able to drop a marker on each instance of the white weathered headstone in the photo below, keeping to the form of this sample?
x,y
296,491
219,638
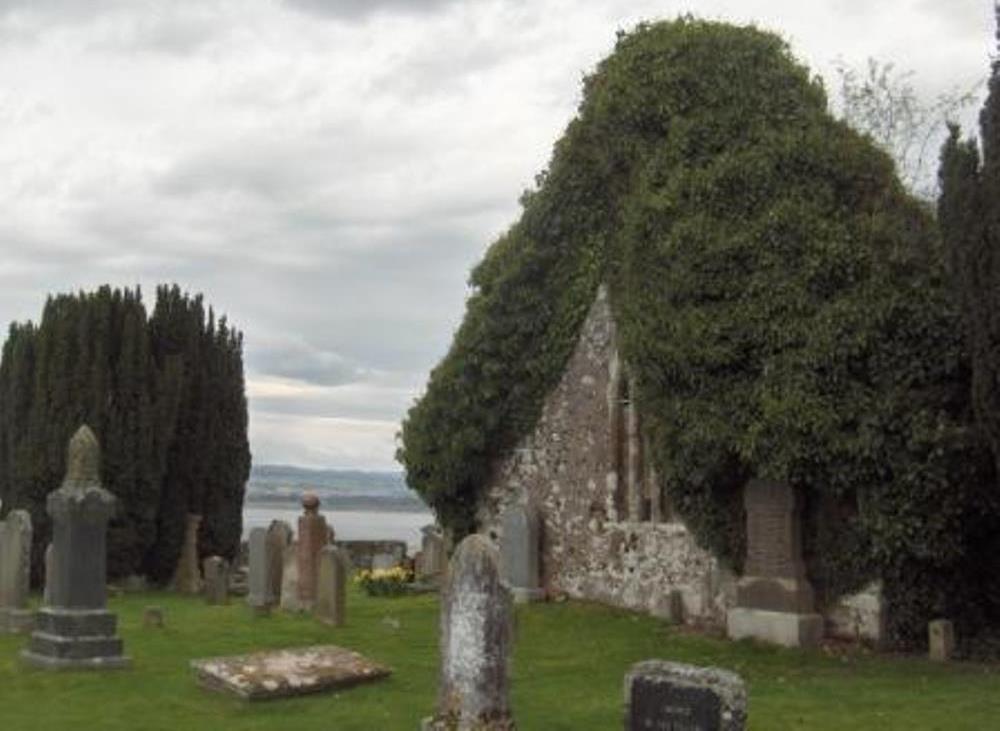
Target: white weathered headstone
x,y
519,552
476,639
259,571
290,579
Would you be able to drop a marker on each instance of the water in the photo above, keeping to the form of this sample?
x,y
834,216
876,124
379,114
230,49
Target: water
x,y
349,525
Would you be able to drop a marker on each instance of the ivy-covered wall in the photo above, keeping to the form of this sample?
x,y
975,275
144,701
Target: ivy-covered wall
x,y
781,304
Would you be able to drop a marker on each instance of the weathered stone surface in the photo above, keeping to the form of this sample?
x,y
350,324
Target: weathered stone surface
x,y
259,593
433,555
285,673
152,617
216,571
669,695
519,551
790,629
187,578
77,631
858,617
382,561
476,639
279,538
363,553
331,590
290,580
941,640
15,567
50,558
313,535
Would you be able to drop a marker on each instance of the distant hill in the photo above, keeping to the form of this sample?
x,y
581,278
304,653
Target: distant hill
x,y
343,489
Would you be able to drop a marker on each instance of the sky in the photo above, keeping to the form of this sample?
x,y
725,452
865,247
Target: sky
x,y
327,172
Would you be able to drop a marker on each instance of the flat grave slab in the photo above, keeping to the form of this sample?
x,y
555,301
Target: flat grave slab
x,y
286,673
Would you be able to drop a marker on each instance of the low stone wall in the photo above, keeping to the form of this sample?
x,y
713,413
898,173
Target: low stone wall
x,y
374,554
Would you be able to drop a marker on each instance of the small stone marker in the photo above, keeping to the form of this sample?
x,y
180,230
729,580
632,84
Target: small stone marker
x,y
290,580
331,590
476,638
774,600
313,535
676,697
152,617
15,568
259,595
279,538
187,579
216,571
78,631
941,640
285,673
433,555
519,552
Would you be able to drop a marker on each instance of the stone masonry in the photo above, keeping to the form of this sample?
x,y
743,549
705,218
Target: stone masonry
x,y
607,536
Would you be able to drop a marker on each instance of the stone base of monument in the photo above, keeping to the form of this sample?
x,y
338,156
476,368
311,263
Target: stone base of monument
x,y
433,723
524,595
286,673
16,621
782,628
68,639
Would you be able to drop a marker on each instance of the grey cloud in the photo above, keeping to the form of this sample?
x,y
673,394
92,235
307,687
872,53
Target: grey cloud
x,y
351,10
296,358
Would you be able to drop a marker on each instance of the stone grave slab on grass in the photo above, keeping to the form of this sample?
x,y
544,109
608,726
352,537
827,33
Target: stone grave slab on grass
x,y
287,673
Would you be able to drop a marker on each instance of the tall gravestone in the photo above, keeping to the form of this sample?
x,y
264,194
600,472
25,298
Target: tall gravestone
x,y
433,555
216,572
259,595
476,639
187,578
279,538
673,696
331,587
15,567
519,552
774,600
290,579
313,535
77,630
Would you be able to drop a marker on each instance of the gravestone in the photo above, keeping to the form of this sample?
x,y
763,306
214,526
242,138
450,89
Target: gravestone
x,y
774,600
77,630
15,568
187,579
259,595
381,561
331,588
519,552
476,639
672,696
290,579
216,570
279,538
313,535
940,640
433,555
50,557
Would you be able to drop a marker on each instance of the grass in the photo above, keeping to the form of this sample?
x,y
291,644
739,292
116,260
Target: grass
x,y
568,668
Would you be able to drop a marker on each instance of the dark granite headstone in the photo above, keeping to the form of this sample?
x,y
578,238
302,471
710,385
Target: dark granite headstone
x,y
668,696
77,631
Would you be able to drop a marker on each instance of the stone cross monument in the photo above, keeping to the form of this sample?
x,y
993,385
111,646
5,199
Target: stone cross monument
x,y
774,600
77,630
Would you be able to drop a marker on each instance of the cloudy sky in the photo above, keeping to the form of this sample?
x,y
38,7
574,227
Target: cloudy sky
x,y
326,172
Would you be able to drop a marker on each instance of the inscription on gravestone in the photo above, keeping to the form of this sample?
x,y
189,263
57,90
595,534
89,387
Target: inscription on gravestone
x,y
669,696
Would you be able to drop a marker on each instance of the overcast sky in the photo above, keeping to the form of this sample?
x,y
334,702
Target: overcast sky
x,y
326,172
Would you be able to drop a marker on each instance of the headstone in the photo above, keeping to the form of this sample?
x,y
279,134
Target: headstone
x,y
15,568
677,697
941,640
476,639
187,579
152,617
279,538
331,589
50,557
313,535
216,570
290,579
259,595
519,552
774,600
433,556
77,630
384,561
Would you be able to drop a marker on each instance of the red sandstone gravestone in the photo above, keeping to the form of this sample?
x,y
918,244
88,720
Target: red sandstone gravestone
x,y
313,535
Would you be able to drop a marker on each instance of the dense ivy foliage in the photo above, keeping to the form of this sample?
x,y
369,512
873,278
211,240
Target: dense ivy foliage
x,y
165,396
780,300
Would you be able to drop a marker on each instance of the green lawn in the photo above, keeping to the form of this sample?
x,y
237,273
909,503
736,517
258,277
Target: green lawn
x,y
568,669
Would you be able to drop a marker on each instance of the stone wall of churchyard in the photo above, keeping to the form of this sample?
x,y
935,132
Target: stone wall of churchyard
x,y
608,533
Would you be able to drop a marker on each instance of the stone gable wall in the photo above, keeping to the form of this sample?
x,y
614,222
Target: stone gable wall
x,y
571,467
